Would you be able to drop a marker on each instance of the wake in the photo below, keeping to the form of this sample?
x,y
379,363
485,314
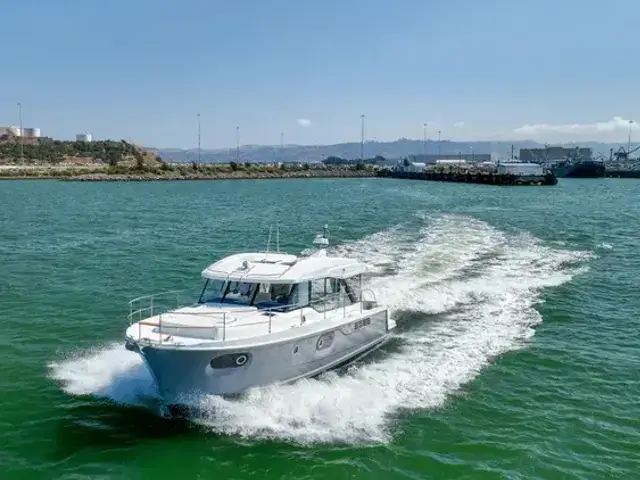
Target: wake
x,y
473,289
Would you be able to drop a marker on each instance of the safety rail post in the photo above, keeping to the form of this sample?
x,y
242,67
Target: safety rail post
x,y
344,305
151,307
224,326
270,318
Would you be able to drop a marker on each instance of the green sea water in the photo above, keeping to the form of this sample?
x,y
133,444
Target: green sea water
x,y
516,354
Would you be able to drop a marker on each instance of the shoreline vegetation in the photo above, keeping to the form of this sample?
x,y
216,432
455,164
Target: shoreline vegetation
x,y
45,158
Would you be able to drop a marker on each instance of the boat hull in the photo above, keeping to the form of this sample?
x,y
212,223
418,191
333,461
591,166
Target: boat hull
x,y
179,372
584,169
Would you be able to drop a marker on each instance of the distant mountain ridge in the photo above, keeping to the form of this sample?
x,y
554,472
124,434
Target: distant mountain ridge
x,y
392,150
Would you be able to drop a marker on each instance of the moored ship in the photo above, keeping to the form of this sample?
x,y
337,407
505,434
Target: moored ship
x,y
581,168
566,162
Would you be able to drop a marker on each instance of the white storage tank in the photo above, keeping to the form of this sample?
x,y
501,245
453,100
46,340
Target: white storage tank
x,y
31,132
521,169
83,137
14,130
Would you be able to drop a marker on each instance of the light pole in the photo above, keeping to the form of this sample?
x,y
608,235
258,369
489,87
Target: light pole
x,y
21,133
238,144
198,138
629,143
362,140
282,146
439,132
424,140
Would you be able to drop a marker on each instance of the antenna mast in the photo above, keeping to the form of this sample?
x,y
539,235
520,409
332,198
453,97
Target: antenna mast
x,y
269,239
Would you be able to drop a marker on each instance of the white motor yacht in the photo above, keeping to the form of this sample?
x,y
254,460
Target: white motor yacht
x,y
262,318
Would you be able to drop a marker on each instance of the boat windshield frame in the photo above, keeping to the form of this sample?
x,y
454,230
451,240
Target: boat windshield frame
x,y
334,293
263,296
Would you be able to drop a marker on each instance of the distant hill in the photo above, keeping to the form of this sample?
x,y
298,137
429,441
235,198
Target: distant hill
x,y
316,153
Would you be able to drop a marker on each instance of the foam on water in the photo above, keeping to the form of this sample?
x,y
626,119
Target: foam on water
x,y
474,288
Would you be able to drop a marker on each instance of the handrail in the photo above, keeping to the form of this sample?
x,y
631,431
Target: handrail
x,y
368,290
153,295
335,301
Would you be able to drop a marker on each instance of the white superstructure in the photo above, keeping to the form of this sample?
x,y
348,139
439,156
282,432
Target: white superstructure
x,y
521,169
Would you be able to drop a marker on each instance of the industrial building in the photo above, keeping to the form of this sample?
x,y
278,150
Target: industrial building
x,y
543,155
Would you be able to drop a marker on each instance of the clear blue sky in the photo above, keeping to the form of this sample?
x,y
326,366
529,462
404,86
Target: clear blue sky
x,y
143,69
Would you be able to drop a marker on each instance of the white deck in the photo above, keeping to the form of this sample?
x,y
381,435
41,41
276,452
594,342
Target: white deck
x,y
282,268
207,323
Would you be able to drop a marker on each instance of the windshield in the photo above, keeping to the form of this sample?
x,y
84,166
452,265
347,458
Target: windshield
x,y
239,293
212,291
261,295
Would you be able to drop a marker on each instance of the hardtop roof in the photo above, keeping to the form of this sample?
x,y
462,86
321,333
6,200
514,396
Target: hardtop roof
x,y
281,268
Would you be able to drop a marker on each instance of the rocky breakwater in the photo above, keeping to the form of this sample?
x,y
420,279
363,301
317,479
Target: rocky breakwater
x,y
217,174
472,176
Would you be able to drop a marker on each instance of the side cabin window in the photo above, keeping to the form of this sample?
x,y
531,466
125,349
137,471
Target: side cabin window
x,y
273,295
301,295
331,293
283,297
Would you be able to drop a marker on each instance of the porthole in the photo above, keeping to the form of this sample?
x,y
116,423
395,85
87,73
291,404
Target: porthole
x,y
230,360
324,341
296,349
